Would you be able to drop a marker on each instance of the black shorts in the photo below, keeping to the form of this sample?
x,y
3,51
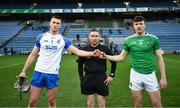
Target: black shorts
x,y
94,83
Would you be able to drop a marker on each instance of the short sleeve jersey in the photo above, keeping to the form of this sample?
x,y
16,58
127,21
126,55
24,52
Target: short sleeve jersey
x,y
142,52
51,47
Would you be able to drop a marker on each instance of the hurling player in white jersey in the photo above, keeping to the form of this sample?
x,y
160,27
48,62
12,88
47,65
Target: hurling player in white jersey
x,y
49,45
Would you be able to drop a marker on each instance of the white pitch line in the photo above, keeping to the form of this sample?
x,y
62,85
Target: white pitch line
x,y
2,67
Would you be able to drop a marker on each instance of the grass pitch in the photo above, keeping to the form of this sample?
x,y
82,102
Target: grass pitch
x,y
69,85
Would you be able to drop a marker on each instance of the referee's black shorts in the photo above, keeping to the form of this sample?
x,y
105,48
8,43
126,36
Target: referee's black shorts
x,y
94,83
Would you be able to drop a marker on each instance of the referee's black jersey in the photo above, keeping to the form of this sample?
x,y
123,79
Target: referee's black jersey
x,y
95,65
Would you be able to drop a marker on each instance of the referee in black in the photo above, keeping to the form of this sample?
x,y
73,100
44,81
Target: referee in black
x,y
92,72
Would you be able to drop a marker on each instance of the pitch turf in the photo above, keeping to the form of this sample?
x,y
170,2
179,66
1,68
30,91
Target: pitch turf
x,y
69,91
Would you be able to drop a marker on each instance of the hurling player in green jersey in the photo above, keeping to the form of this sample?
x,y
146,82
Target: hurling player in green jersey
x,y
144,50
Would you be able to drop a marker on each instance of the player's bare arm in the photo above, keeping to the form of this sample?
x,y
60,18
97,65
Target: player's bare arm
x,y
83,53
119,57
163,80
29,61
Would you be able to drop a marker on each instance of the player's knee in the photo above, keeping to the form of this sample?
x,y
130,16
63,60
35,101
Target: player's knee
x,y
138,102
157,104
90,103
51,100
101,103
33,102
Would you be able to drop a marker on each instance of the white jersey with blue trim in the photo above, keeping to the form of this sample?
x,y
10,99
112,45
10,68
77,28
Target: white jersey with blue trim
x,y
51,47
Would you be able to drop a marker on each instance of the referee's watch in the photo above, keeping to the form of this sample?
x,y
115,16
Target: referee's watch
x,y
112,75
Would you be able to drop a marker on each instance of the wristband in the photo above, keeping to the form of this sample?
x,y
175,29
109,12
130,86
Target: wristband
x,y
112,75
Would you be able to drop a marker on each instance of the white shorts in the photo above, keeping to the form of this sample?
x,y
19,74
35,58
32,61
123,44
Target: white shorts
x,y
140,81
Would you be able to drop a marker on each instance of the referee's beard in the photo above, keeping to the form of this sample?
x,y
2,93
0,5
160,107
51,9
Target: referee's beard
x,y
94,43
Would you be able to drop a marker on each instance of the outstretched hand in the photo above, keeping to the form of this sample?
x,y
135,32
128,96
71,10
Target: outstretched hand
x,y
102,55
96,53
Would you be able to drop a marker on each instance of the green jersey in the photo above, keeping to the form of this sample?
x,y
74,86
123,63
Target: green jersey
x,y
142,52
